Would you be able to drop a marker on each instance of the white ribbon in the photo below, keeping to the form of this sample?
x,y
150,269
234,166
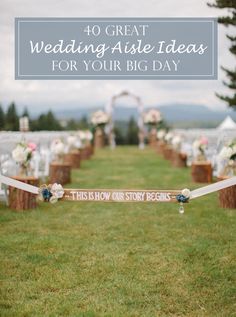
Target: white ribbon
x,y
194,194
20,185
213,187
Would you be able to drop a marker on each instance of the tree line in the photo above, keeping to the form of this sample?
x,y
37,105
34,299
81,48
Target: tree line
x,y
126,132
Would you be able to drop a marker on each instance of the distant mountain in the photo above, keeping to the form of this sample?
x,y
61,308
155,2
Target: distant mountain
x,y
175,114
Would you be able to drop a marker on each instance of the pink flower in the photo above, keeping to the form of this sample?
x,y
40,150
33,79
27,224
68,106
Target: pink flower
x,y
32,146
203,140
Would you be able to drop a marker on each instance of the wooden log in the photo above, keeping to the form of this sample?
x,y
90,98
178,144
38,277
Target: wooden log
x,y
153,137
73,159
160,147
227,196
20,200
99,138
202,172
85,153
168,152
179,159
60,173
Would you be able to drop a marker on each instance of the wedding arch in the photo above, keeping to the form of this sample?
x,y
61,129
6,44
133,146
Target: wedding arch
x,y
110,108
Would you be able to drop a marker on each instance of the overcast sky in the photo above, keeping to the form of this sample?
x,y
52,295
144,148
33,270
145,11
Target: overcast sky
x,y
78,93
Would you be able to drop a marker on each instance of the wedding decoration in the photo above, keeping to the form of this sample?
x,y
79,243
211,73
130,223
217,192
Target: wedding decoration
x,y
99,118
176,142
72,143
58,150
152,117
228,156
22,155
161,134
199,148
179,159
51,193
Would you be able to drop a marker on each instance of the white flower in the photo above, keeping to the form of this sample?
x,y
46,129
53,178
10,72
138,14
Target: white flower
x,y
161,134
169,136
152,116
176,141
57,190
21,153
99,117
57,147
71,140
186,192
196,144
88,135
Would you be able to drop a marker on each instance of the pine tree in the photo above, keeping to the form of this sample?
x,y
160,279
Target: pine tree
x,y
25,113
229,20
2,118
12,119
132,132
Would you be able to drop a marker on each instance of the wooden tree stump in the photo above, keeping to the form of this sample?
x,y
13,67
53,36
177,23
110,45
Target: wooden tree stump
x,y
73,159
60,173
85,153
179,159
20,200
168,152
153,137
202,172
227,196
99,138
160,147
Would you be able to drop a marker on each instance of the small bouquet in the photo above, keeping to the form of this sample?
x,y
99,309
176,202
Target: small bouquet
x,y
58,149
161,135
23,154
177,142
72,143
85,136
168,137
152,117
228,156
100,118
199,148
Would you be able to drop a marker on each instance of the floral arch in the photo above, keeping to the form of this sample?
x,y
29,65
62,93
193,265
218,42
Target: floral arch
x,y
110,108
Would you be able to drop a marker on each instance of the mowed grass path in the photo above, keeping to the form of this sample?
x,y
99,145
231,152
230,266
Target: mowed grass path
x,y
120,259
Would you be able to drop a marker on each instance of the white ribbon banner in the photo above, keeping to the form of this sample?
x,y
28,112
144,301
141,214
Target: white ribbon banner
x,y
75,193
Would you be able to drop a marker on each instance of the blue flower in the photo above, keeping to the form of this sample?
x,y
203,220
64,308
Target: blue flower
x,y
46,194
182,199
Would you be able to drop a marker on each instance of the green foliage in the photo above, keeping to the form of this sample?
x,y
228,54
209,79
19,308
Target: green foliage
x,y
12,119
120,259
132,132
228,21
2,118
46,122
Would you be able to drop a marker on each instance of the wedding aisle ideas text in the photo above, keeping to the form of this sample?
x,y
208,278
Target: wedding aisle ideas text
x,y
116,48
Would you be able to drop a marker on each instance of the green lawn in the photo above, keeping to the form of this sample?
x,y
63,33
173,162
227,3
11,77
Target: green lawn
x,y
120,259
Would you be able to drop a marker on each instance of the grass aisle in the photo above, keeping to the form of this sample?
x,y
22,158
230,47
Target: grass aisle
x,y
120,259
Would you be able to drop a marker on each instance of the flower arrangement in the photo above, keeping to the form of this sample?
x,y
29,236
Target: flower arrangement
x,y
51,193
228,156
58,149
85,136
177,142
99,118
23,154
168,137
72,142
161,135
199,148
152,117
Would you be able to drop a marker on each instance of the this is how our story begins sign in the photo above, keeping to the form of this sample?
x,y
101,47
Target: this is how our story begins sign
x,y
116,48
